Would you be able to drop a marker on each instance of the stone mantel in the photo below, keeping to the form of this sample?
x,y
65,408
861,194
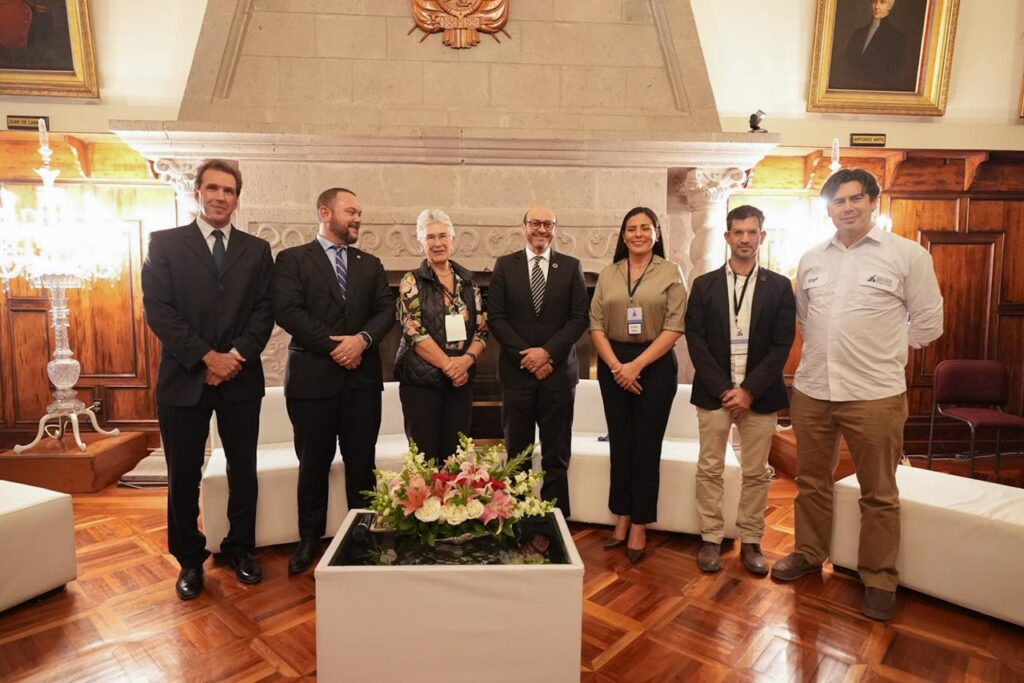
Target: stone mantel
x,y
442,146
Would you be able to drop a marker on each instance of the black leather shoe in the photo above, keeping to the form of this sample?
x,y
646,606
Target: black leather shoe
x,y
302,558
189,584
247,569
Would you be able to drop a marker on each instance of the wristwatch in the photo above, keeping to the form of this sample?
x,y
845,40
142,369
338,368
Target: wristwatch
x,y
473,356
366,338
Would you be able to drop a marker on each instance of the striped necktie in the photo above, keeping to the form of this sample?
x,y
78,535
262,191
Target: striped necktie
x,y
537,284
341,269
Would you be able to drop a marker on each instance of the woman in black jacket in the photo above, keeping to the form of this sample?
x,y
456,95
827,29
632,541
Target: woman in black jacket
x,y
444,331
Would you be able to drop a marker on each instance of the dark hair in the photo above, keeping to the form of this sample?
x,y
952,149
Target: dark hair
x,y
742,212
220,165
328,195
849,175
620,247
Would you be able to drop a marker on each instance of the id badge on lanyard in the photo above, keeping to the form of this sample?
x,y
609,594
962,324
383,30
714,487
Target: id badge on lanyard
x,y
454,328
634,320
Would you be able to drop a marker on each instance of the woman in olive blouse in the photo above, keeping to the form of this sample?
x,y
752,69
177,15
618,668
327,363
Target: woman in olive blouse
x,y
636,317
444,331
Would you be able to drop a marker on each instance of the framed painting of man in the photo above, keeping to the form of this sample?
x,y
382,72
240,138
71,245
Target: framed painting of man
x,y
46,49
882,56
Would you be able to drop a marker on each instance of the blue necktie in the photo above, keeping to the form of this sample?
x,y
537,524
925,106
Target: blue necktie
x,y
341,269
219,250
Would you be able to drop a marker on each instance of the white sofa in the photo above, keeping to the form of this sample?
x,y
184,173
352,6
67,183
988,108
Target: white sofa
x,y
37,542
589,468
277,468
961,540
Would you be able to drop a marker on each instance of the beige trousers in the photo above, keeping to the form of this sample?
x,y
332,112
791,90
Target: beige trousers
x,y
756,431
874,432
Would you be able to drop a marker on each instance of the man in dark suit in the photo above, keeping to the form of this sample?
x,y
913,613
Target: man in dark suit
x,y
537,309
335,302
740,324
878,56
206,292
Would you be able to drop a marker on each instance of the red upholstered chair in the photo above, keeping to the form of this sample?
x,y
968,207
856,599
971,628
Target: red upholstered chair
x,y
974,392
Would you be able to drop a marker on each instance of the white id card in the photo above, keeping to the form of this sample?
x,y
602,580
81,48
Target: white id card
x,y
634,319
739,345
454,328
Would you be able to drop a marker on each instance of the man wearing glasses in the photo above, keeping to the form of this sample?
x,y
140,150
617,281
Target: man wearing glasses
x,y
537,309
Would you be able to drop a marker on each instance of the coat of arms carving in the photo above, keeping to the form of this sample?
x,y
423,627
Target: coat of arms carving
x,y
461,20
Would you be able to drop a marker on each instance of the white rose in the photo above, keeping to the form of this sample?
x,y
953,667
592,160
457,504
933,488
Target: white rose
x,y
474,509
430,511
456,514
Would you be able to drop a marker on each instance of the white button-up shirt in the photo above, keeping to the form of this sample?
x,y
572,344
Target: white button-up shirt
x,y
859,308
207,231
739,325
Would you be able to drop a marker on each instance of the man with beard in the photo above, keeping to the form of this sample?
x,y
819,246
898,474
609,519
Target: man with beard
x,y
335,302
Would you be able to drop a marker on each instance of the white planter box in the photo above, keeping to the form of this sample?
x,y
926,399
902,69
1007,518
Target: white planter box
x,y
473,623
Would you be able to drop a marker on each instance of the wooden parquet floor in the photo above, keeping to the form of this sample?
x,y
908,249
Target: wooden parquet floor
x,y
659,621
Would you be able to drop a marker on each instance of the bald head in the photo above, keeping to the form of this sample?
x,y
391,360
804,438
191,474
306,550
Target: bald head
x,y
539,225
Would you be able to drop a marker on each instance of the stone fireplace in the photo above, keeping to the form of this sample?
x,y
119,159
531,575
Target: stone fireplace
x,y
590,107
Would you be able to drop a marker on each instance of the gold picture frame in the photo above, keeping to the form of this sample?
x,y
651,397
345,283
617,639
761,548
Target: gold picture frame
x,y
48,50
1022,100
899,67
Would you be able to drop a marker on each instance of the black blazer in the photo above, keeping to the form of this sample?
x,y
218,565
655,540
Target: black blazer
x,y
308,305
562,320
192,310
888,63
772,328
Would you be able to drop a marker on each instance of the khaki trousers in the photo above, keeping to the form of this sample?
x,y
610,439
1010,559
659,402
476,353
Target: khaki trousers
x,y
874,432
756,431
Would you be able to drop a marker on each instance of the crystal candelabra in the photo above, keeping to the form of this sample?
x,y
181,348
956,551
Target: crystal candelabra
x,y
57,248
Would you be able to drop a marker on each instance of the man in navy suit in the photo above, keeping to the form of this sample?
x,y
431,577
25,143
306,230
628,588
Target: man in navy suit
x,y
206,293
537,309
335,302
740,325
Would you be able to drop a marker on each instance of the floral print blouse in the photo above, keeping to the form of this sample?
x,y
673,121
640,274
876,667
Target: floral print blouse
x,y
410,314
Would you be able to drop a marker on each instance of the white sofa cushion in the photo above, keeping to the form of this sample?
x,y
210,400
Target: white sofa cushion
x,y
37,542
961,540
590,472
277,469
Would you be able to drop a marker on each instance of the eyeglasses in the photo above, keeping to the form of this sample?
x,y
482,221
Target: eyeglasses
x,y
537,225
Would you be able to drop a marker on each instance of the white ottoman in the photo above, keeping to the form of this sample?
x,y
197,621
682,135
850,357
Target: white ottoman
x,y
961,540
277,470
590,469
37,542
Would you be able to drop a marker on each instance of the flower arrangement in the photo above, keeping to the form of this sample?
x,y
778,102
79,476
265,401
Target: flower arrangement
x,y
472,493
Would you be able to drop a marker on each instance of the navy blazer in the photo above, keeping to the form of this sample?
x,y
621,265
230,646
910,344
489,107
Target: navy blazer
x,y
193,309
563,317
772,329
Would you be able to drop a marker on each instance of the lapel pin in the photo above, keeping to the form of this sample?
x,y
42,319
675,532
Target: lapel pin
x,y
554,265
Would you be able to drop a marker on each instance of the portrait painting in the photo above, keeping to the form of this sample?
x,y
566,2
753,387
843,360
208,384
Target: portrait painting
x,y
46,49
882,56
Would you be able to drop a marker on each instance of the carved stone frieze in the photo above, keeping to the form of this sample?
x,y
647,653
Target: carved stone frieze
x,y
181,175
461,20
707,192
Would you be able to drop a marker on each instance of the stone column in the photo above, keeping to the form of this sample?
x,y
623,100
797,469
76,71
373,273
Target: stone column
x,y
707,192
181,175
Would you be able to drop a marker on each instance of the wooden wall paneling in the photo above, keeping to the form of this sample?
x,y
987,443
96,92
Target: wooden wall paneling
x,y
1003,173
969,268
30,352
913,214
930,174
1007,216
1008,350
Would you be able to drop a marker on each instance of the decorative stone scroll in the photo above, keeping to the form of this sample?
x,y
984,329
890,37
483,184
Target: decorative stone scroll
x,y
181,175
461,20
707,192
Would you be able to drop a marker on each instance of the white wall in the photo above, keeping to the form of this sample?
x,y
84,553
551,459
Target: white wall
x,y
143,56
759,57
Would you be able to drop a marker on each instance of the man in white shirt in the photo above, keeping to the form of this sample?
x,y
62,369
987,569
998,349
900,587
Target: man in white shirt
x,y
862,298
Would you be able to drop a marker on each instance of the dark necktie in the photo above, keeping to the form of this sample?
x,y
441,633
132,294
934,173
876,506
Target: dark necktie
x,y
219,250
537,284
340,270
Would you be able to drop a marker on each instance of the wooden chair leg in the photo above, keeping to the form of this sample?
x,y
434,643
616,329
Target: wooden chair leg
x,y
971,453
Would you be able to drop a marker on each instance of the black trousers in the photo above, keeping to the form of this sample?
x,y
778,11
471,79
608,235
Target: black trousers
x,y
349,422
184,430
636,428
535,405
434,417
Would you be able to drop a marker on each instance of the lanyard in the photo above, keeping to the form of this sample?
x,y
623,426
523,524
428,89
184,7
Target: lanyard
x,y
631,289
738,303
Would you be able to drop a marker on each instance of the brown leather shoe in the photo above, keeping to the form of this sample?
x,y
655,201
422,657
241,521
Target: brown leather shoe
x,y
709,557
753,558
792,567
879,604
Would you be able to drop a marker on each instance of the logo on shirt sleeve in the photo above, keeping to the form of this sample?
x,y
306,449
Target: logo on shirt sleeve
x,y
812,280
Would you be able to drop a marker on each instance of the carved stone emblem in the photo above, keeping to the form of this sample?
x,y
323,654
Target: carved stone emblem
x,y
461,20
